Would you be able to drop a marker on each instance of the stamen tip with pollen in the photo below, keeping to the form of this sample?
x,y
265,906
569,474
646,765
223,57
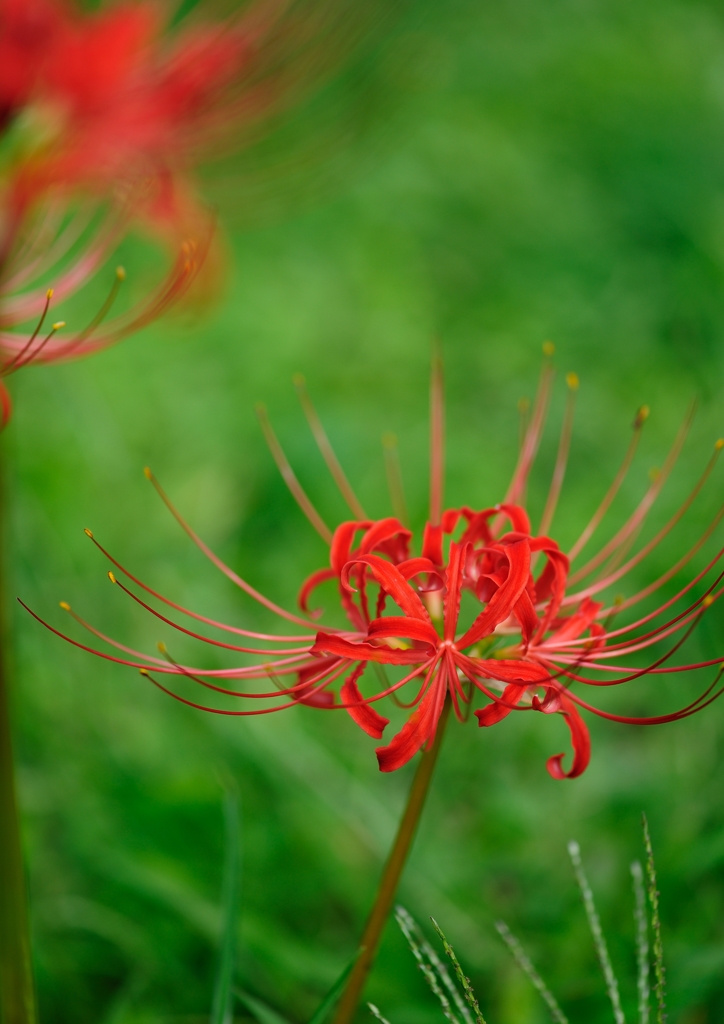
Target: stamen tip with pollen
x,y
120,273
389,440
112,578
708,601
58,324
65,606
299,380
641,416
147,472
572,381
161,646
719,444
548,348
49,294
143,671
88,533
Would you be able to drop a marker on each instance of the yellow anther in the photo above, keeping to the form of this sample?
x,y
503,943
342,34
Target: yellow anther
x,y
618,599
112,578
708,601
523,404
654,474
548,348
298,380
572,381
58,324
389,440
161,646
49,294
120,273
147,472
143,671
641,416
65,606
88,533
719,444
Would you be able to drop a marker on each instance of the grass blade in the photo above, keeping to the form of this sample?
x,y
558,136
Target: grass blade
x,y
464,981
376,1014
438,965
523,961
597,932
659,970
409,929
334,993
221,1008
642,942
261,1010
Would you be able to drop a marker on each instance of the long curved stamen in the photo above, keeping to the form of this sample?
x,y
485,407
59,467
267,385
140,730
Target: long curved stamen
x,y
228,572
393,471
639,515
29,356
641,417
437,437
290,479
529,449
9,366
613,577
102,313
564,445
200,636
325,447
237,630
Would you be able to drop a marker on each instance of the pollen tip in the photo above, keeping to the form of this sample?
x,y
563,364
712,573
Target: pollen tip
x,y
523,404
654,474
707,602
618,599
112,578
573,848
260,409
147,472
49,294
58,324
65,606
641,416
143,671
719,444
88,533
548,348
572,381
298,380
161,646
389,439
120,273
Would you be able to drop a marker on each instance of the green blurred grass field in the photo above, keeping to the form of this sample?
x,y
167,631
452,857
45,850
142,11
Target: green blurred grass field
x,y
494,175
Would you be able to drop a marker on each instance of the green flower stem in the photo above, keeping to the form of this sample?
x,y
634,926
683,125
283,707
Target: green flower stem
x,y
391,876
17,995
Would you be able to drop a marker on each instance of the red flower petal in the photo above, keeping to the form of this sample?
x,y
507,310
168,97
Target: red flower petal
x,y
365,716
417,730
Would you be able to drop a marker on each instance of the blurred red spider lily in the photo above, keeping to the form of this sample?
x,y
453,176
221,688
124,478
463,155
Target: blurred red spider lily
x,y
103,118
539,632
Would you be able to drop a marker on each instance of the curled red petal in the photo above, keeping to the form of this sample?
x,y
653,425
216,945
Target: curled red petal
x,y
580,739
506,596
329,643
391,580
365,716
311,583
403,627
496,711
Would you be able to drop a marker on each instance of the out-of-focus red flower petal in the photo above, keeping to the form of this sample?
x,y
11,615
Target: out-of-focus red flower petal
x,y
365,716
418,730
432,543
6,406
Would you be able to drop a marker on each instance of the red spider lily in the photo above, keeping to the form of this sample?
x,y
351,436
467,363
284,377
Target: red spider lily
x,y
538,634
103,117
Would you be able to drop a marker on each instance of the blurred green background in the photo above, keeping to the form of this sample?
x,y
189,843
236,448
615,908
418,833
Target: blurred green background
x,y
495,175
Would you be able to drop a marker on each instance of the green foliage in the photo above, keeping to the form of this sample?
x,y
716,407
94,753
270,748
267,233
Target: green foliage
x,y
517,171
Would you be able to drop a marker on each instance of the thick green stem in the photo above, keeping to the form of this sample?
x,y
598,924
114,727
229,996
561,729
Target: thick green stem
x,y
17,996
391,877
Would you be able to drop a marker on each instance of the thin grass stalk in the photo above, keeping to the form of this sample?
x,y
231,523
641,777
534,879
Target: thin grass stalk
x,y
376,1014
524,962
408,929
659,970
642,942
460,975
391,875
17,992
442,971
599,941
